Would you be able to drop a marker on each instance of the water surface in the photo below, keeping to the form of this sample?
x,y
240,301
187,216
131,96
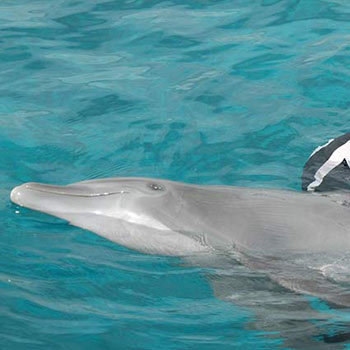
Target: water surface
x,y
225,92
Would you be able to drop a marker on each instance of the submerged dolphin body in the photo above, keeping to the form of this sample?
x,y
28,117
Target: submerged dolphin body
x,y
273,231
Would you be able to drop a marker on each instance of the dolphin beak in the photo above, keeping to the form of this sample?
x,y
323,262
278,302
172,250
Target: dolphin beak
x,y
52,199
16,195
57,200
19,192
35,196
45,197
75,190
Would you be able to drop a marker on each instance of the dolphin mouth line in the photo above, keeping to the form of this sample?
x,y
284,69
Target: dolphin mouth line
x,y
63,193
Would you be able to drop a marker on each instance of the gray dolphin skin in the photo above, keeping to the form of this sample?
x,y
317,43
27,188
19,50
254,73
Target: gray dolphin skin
x,y
272,231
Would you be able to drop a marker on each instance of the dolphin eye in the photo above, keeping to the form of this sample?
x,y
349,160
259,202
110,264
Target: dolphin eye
x,y
155,187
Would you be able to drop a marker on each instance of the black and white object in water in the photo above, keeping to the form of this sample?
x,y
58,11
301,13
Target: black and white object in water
x,y
328,167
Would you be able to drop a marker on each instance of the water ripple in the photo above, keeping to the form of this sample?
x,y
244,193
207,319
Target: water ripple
x,y
225,92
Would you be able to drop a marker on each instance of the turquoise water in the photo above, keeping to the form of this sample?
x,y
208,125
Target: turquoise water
x,y
225,92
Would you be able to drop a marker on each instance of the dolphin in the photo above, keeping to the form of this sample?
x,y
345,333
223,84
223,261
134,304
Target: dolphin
x,y
292,237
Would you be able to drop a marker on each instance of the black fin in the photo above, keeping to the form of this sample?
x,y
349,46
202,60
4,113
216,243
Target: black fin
x,y
337,178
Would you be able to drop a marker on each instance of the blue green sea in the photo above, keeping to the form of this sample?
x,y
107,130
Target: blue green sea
x,y
233,92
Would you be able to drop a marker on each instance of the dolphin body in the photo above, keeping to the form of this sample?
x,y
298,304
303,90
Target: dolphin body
x,y
287,235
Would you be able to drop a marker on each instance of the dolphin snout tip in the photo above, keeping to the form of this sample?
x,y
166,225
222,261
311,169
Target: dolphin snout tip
x,y
16,194
18,191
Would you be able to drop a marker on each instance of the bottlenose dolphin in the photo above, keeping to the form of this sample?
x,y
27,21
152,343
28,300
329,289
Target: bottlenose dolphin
x,y
282,233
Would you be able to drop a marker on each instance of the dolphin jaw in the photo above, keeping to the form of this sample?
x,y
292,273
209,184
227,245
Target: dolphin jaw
x,y
56,200
29,195
70,190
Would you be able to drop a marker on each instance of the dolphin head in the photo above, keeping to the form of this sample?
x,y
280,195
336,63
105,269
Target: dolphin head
x,y
138,213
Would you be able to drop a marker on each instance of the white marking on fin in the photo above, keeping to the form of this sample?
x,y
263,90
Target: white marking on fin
x,y
320,147
341,153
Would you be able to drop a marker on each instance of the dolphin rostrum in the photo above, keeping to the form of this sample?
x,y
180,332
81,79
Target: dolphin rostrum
x,y
286,234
